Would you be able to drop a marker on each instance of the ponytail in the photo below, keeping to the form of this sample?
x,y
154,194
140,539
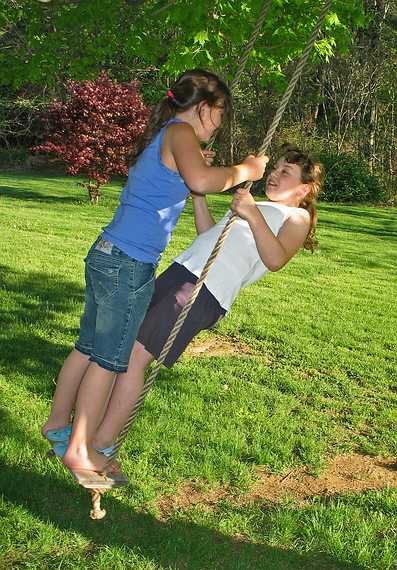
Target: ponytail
x,y
191,88
162,112
311,241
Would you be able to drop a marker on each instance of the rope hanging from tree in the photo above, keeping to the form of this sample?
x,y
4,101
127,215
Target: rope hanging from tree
x,y
97,513
262,150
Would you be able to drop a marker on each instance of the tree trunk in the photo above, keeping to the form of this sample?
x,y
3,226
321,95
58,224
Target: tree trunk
x,y
392,143
372,135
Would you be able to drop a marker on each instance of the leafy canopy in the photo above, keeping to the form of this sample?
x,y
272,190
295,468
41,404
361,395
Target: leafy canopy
x,y
45,43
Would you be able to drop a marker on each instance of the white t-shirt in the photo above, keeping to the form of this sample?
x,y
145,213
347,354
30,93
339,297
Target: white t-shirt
x,y
238,263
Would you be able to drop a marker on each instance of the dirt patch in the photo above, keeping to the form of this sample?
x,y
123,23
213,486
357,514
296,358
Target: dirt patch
x,y
344,474
189,495
217,346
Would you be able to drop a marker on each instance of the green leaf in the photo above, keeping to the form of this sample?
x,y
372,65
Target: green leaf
x,y
201,37
210,58
333,19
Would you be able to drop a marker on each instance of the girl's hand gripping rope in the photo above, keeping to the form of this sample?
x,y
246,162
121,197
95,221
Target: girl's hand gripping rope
x,y
209,156
255,166
243,204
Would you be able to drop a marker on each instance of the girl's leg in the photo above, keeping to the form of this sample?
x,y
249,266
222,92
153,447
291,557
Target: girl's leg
x,y
68,383
120,289
128,385
126,391
93,394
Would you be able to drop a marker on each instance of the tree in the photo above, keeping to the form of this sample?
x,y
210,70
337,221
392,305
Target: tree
x,y
94,129
58,40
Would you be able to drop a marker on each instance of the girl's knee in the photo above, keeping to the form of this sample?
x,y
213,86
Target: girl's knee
x,y
183,295
140,356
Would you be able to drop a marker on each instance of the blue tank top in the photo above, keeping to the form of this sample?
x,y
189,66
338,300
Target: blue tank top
x,y
150,205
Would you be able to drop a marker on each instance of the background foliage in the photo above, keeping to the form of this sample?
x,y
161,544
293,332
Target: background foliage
x,y
344,104
95,128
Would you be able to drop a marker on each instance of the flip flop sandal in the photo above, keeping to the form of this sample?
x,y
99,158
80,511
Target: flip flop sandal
x,y
106,451
58,449
114,471
58,435
91,479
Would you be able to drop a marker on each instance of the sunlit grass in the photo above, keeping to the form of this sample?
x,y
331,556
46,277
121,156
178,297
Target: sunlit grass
x,y
320,381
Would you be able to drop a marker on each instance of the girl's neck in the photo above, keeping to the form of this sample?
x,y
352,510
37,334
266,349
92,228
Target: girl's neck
x,y
187,117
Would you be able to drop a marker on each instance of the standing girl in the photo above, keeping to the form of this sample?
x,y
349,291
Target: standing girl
x,y
120,265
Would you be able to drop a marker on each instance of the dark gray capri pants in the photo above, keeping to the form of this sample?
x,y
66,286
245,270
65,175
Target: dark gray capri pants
x,y
170,295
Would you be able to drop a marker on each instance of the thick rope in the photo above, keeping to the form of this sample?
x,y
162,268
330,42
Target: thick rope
x,y
250,45
96,512
244,58
179,322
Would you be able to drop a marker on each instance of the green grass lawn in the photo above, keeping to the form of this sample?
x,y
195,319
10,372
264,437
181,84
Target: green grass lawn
x,y
320,381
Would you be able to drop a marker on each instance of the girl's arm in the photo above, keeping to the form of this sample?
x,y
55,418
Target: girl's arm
x,y
274,251
202,216
197,174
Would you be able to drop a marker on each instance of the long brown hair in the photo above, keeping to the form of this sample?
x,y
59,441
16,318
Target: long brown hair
x,y
190,88
312,175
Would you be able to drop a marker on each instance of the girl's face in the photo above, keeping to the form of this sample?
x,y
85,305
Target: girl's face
x,y
284,184
209,120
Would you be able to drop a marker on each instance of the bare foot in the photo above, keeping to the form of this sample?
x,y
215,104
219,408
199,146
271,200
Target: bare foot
x,y
84,458
103,445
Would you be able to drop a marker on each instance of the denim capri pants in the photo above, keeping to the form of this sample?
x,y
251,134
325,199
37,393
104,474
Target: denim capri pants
x,y
117,295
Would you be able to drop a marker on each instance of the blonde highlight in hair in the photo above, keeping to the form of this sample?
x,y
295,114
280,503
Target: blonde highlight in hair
x,y
312,176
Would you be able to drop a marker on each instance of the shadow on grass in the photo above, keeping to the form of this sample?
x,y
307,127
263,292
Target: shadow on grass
x,y
40,291
381,223
33,321
368,212
38,197
178,544
52,187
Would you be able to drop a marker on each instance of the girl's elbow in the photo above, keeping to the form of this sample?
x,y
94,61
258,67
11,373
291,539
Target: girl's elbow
x,y
276,262
201,182
198,186
274,266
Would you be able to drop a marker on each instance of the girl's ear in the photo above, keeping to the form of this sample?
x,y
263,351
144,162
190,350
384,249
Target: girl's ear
x,y
201,106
